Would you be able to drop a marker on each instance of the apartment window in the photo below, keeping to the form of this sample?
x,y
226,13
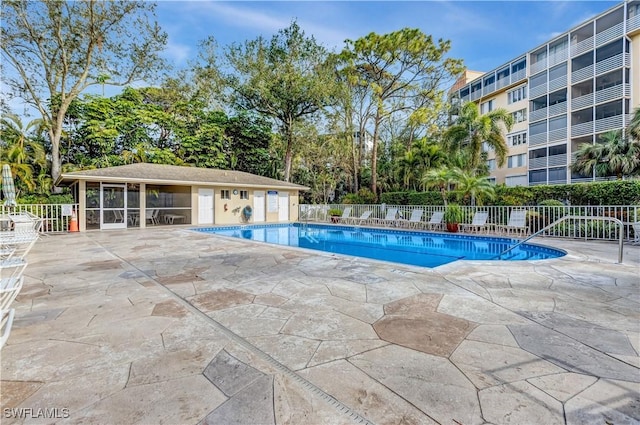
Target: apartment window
x,y
511,181
557,174
517,139
557,150
491,164
225,194
485,147
538,176
519,116
244,194
517,95
486,107
515,161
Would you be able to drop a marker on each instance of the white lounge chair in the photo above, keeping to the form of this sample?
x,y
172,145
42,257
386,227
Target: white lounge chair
x,y
362,219
414,221
517,223
478,223
6,321
435,222
346,215
388,219
9,289
636,233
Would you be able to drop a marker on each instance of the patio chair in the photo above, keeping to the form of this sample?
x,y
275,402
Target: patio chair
x,y
517,223
6,321
16,245
435,222
636,233
388,219
345,215
414,221
9,289
359,221
151,215
478,223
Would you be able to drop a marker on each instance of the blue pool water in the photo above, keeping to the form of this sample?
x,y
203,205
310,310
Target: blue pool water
x,y
408,247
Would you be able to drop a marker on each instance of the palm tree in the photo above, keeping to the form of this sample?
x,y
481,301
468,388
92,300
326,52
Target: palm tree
x,y
633,129
409,166
439,178
473,129
612,155
20,150
471,185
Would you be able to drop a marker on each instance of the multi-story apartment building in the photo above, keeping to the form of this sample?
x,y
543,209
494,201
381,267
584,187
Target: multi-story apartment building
x,y
563,93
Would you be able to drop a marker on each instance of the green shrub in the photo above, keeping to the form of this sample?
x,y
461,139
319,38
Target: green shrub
x,y
364,196
453,214
335,212
64,198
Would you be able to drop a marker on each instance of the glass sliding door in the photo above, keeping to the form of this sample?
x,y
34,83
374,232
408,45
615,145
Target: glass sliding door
x,y
113,199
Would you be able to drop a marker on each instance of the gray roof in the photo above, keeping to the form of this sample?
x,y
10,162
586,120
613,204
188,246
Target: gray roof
x,y
174,174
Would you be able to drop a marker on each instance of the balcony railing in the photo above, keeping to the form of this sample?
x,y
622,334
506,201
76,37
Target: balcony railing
x,y
633,23
612,63
538,66
538,114
538,139
558,57
538,91
611,93
557,109
537,163
476,95
581,47
489,88
559,134
582,129
607,35
558,83
517,76
582,102
503,82
465,98
610,123
582,74
557,160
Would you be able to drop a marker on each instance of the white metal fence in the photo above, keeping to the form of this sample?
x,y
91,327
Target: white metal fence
x,y
53,216
537,217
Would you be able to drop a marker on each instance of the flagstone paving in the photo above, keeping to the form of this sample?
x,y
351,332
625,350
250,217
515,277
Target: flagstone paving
x,y
171,326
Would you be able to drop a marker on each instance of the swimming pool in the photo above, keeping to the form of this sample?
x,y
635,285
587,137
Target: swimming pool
x,y
416,248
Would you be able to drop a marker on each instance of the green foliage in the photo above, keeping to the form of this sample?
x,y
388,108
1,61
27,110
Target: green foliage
x,y
335,212
64,198
614,154
453,214
364,196
551,203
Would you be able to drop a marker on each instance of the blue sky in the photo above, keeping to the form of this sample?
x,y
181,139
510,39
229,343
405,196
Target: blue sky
x,y
485,34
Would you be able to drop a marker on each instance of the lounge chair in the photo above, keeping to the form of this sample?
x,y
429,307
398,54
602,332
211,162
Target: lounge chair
x,y
414,221
362,219
389,219
9,289
478,223
6,321
346,214
517,223
636,233
435,222
151,215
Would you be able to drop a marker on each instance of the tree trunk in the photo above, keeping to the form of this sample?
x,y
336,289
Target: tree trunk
x,y
289,151
374,154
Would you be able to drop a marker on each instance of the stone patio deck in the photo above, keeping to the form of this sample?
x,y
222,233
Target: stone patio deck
x,y
172,326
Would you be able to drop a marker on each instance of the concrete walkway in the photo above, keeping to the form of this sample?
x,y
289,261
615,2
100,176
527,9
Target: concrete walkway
x,y
171,326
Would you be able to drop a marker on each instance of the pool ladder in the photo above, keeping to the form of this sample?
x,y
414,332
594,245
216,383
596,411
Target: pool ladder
x,y
619,223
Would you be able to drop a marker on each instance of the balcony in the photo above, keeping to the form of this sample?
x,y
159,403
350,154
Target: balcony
x,y
538,139
559,134
558,83
557,109
538,66
557,160
538,163
582,129
610,34
558,57
503,82
582,102
489,88
633,23
476,95
582,74
582,47
465,99
538,91
538,114
611,93
612,63
517,76
615,122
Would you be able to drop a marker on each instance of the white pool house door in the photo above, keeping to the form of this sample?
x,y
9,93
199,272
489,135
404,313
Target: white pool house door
x,y
113,202
258,206
205,206
283,206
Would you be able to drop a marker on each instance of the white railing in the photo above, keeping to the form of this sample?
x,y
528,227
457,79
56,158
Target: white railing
x,y
503,82
517,76
559,134
465,99
556,160
558,83
558,57
538,66
582,129
53,220
610,64
537,91
476,95
490,88
609,34
557,109
538,217
538,114
633,23
538,163
581,47
582,74
610,123
538,139
610,93
582,102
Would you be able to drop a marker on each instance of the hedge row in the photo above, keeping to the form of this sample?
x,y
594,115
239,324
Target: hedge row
x,y
624,192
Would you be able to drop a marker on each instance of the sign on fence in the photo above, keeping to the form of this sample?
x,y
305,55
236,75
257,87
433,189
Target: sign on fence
x,y
67,210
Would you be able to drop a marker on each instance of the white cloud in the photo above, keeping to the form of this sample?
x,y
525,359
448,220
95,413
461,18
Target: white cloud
x,y
177,52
